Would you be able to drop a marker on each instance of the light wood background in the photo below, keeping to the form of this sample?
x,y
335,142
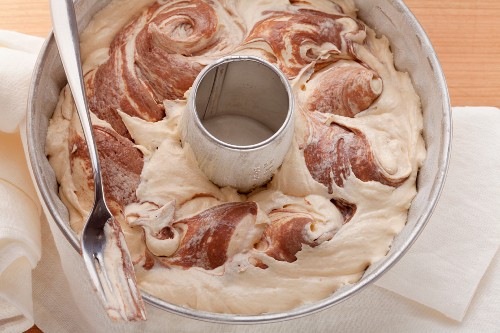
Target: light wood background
x,y
465,34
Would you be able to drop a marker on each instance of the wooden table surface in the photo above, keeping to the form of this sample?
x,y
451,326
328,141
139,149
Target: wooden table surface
x,y
465,34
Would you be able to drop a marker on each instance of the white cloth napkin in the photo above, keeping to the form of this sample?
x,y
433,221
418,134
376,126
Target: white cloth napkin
x,y
452,269
447,263
19,207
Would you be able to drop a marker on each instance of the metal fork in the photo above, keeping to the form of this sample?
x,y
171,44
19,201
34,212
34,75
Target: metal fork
x,y
103,245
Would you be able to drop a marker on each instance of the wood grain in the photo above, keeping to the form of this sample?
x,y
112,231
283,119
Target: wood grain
x,y
465,34
27,16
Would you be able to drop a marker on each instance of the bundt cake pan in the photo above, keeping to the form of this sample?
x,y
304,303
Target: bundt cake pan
x,y
413,53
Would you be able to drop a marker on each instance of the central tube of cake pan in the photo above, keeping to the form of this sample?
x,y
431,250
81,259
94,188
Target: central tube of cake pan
x,y
239,121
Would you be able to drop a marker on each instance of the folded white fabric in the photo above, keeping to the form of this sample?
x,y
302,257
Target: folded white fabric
x,y
18,53
446,264
446,270
20,244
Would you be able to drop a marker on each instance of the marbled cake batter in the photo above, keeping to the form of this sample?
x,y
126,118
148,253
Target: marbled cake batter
x,y
330,211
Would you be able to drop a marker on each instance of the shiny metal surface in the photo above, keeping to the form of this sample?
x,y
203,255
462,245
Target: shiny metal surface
x,y
413,53
124,300
249,88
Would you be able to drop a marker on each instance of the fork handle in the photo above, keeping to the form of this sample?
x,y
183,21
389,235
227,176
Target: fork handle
x,y
68,42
